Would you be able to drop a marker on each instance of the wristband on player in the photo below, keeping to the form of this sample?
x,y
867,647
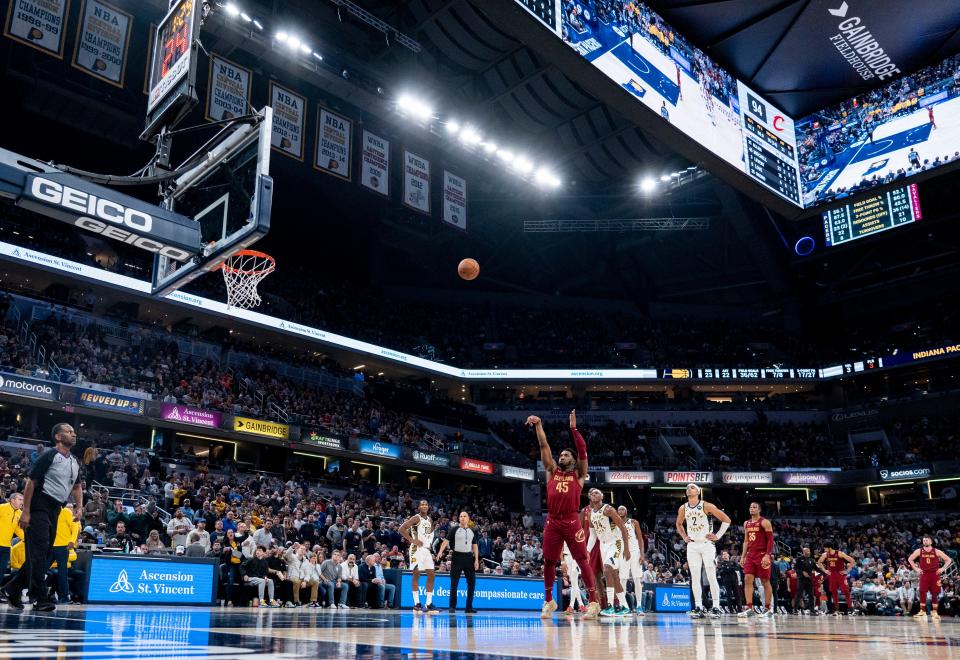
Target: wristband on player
x,y
722,530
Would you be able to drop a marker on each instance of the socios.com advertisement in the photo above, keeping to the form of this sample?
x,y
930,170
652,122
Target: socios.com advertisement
x,y
151,581
491,593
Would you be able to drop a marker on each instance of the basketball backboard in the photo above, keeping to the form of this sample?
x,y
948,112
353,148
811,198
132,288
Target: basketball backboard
x,y
228,193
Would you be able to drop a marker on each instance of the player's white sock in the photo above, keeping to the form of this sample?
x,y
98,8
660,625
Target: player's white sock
x,y
622,598
416,596
609,596
429,598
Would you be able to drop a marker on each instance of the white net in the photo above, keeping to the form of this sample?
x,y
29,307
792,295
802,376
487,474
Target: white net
x,y
242,272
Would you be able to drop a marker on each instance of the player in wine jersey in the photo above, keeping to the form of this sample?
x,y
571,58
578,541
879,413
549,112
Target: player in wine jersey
x,y
693,524
756,559
611,540
418,531
565,478
633,568
930,572
835,565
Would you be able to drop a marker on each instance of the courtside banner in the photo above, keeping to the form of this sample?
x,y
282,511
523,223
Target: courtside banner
x,y
619,477
40,24
29,387
138,580
473,465
382,449
454,200
228,90
261,427
375,163
416,182
102,42
668,597
490,593
748,477
688,477
289,121
111,402
511,472
334,144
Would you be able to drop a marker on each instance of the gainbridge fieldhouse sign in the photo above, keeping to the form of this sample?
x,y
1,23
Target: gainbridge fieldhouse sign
x,y
261,427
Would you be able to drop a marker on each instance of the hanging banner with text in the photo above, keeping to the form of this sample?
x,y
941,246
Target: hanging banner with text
x,y
289,121
416,182
454,200
375,164
102,42
40,24
228,90
334,144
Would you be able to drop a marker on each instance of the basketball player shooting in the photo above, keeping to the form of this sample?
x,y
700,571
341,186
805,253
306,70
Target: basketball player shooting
x,y
701,548
418,531
565,478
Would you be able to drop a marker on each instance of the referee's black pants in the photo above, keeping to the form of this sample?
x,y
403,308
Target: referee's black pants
x,y
805,597
462,563
39,537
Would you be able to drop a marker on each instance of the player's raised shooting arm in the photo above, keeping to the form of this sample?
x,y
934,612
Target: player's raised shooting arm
x,y
580,444
404,530
546,454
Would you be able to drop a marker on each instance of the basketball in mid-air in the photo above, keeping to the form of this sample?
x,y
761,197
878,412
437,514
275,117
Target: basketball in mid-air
x,y
468,269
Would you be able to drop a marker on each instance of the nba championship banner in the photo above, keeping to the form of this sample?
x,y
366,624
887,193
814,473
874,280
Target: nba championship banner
x,y
289,121
228,90
102,42
375,164
40,24
261,427
454,200
416,182
334,144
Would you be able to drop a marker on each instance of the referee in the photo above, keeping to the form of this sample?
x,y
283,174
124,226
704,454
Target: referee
x,y
54,477
466,559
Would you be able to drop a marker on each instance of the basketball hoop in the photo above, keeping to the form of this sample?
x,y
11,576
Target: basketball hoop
x,y
242,273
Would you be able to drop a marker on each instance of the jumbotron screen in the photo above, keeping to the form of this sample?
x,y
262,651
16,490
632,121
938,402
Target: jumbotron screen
x,y
633,46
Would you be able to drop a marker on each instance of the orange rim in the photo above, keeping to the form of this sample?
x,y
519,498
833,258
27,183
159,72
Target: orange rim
x,y
268,268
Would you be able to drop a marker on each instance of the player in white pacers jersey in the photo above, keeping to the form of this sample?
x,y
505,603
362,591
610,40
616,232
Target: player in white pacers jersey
x,y
573,574
610,532
633,569
701,551
418,531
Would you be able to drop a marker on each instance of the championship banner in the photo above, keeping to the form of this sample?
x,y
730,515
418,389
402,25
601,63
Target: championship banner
x,y
454,200
228,90
40,24
688,477
289,121
261,427
416,182
334,144
375,164
102,42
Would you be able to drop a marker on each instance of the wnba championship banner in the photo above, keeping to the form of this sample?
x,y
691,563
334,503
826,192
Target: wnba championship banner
x,y
454,200
102,42
375,164
228,90
289,116
40,24
334,144
416,182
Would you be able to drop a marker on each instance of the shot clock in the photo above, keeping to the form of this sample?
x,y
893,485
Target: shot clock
x,y
173,67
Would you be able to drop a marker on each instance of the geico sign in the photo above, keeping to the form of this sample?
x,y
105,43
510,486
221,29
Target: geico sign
x,y
105,217
25,386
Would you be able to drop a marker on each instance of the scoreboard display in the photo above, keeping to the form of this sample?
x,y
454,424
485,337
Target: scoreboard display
x,y
871,215
548,11
173,67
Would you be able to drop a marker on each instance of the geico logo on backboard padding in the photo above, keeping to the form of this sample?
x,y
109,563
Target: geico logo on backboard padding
x,y
27,387
261,427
